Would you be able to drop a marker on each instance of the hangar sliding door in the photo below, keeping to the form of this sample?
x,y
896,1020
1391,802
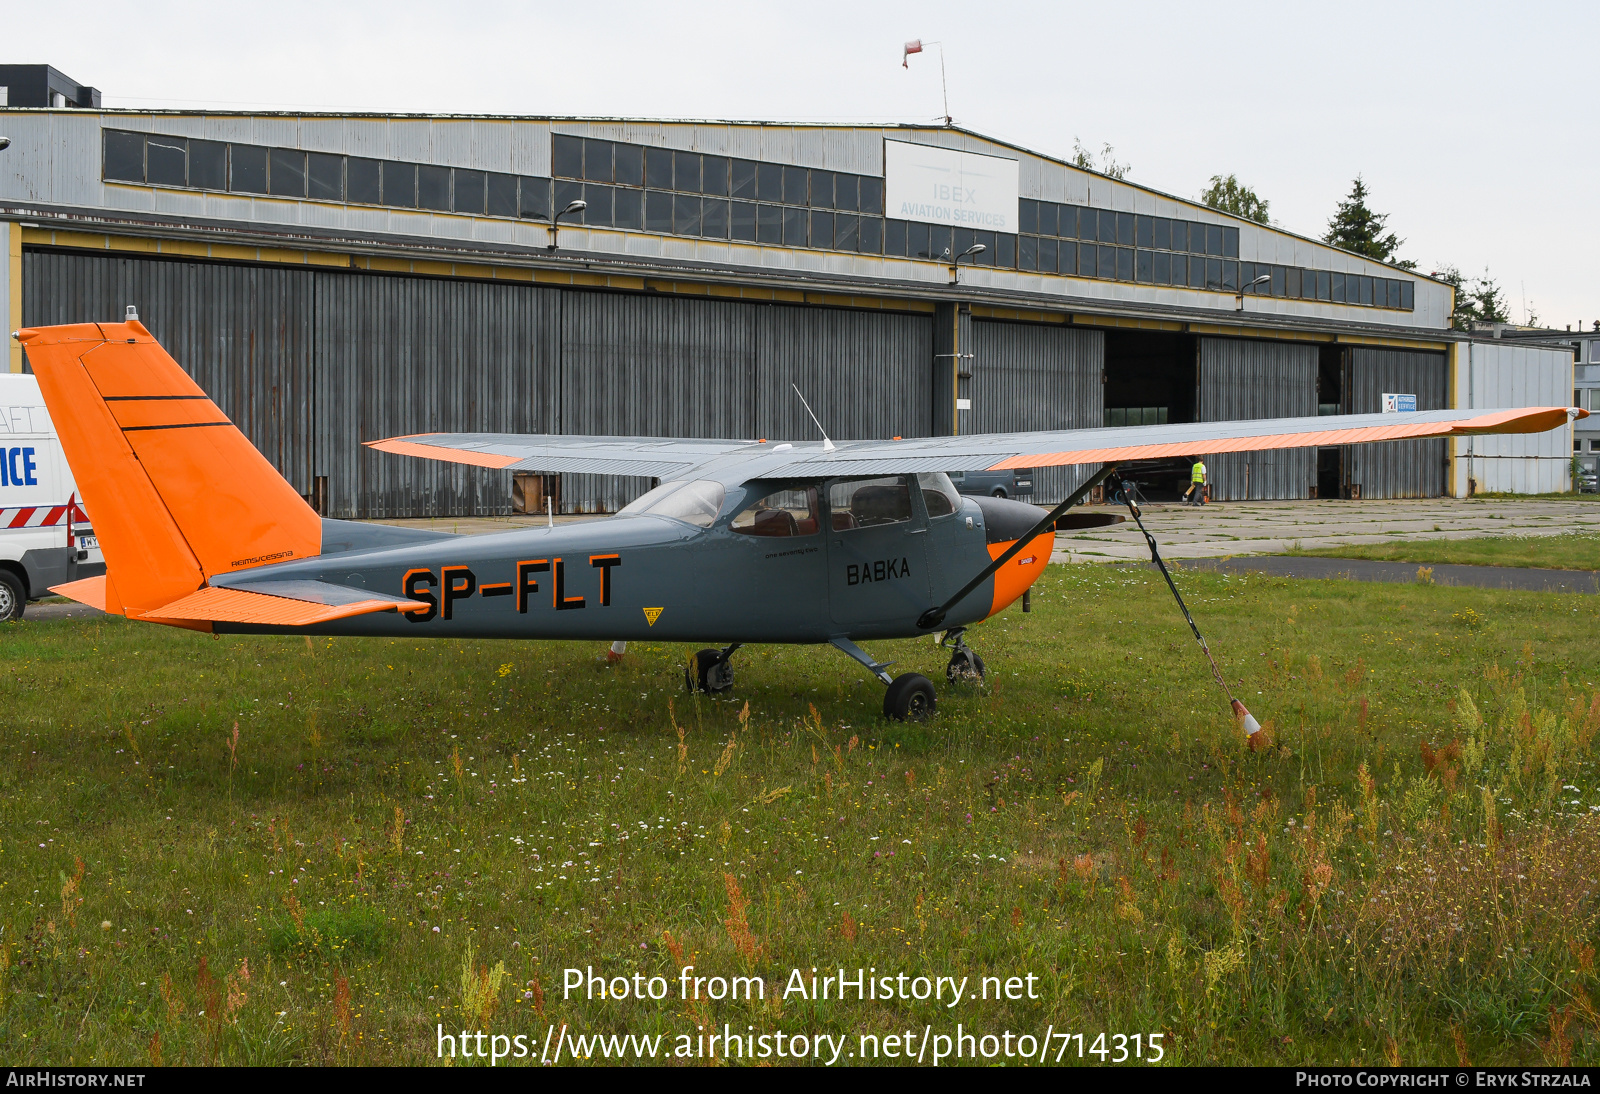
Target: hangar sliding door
x,y
676,366
1242,379
1036,376
244,333
865,373
399,355
1395,469
653,366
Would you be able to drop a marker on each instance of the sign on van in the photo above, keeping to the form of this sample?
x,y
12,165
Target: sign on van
x,y
1399,404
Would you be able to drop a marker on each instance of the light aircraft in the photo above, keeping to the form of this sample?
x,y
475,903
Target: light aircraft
x,y
743,541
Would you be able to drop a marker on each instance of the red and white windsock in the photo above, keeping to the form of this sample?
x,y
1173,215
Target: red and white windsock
x,y
913,46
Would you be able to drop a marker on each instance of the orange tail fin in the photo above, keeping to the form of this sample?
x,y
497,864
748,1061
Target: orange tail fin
x,y
177,493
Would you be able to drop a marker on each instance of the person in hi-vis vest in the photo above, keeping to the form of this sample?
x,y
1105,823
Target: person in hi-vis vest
x,y
1196,494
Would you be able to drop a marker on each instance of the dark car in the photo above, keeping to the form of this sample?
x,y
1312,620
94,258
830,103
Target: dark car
x,y
1015,483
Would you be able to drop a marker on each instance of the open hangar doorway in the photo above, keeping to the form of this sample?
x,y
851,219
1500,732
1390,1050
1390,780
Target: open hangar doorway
x,y
1149,379
1161,377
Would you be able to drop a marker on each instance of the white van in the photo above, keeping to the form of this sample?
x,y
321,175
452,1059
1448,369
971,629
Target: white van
x,y
45,537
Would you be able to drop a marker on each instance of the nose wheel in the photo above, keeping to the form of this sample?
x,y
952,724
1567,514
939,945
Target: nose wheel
x,y
711,671
965,666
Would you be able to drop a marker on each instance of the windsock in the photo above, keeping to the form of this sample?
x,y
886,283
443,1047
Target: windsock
x,y
1246,719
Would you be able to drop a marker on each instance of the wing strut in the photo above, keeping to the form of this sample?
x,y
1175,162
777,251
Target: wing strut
x,y
931,618
1251,726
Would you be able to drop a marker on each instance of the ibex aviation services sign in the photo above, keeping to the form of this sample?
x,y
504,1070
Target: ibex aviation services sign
x,y
944,186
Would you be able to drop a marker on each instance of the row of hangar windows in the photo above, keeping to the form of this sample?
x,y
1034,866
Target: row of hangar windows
x,y
669,192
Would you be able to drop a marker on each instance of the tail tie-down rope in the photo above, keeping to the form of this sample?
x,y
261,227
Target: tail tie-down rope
x,y
1246,719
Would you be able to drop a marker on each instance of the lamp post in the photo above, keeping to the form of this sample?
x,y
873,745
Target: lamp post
x,y
971,252
577,206
1262,280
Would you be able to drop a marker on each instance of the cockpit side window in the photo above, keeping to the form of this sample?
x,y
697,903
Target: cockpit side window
x,y
867,503
790,512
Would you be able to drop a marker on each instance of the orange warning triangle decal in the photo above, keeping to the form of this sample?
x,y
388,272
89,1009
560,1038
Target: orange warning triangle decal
x,y
652,614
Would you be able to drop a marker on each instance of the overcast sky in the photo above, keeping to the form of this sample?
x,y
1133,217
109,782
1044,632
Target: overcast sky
x,y
1472,123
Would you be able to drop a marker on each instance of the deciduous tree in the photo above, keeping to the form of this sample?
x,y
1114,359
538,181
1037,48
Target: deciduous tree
x,y
1231,196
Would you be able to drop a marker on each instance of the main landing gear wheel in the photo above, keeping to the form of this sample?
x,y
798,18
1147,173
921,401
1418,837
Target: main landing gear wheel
x,y
965,666
13,598
712,672
909,698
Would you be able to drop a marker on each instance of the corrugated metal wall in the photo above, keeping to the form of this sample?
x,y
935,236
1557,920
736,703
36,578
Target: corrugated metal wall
x,y
1395,469
1036,376
1493,375
1243,379
399,355
866,374
310,363
245,333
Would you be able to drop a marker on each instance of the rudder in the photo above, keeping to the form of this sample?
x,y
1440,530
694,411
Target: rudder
x,y
176,492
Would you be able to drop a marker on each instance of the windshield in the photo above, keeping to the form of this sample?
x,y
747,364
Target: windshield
x,y
696,503
644,501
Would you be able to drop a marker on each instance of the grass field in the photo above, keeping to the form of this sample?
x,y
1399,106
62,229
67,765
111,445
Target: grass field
x,y
275,850
1566,552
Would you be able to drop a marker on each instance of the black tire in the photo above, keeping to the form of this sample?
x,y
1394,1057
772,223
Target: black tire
x,y
999,492
13,597
909,698
712,672
965,667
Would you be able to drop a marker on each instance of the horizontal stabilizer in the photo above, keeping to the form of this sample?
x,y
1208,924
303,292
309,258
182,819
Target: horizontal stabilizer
x,y
218,605
319,592
89,590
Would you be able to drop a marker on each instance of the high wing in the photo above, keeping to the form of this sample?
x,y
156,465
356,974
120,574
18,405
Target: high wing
x,y
657,457
666,458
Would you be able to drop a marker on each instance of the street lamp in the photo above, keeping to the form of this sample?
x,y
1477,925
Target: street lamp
x,y
1262,280
971,252
555,221
5,142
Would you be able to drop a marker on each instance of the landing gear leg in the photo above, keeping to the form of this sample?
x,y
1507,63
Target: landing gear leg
x,y
711,671
910,695
965,665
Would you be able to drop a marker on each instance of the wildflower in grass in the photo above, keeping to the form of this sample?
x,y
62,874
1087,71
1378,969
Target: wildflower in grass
x,y
847,927
744,942
397,834
480,987
674,947
341,1005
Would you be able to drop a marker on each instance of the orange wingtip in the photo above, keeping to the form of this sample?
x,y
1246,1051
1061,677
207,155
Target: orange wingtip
x,y
88,590
436,452
238,606
1527,420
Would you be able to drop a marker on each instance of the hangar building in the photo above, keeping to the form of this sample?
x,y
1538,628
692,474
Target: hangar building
x,y
333,279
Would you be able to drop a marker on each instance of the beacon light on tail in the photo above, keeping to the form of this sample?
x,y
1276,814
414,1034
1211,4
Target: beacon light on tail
x,y
744,541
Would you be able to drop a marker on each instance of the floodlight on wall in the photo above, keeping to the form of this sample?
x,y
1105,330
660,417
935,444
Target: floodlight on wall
x,y
1264,279
577,206
5,142
971,252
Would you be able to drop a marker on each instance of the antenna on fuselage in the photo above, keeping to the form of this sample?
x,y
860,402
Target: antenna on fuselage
x,y
827,445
